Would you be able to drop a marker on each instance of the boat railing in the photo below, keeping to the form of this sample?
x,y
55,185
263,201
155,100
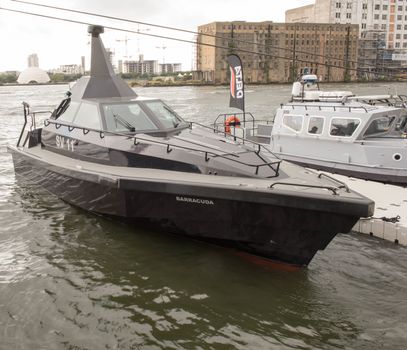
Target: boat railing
x,y
29,114
325,107
248,126
334,190
243,115
208,154
258,146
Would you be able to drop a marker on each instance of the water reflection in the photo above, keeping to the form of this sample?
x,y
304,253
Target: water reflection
x,y
100,277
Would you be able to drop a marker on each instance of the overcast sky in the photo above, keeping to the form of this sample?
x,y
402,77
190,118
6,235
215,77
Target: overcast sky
x,y
58,43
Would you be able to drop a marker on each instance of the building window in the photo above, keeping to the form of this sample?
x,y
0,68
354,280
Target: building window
x,y
384,26
348,15
377,7
399,17
364,6
338,5
398,26
337,15
400,8
349,5
385,7
363,25
384,16
376,16
397,45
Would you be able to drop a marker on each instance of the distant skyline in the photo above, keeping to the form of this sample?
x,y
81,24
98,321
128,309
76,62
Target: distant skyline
x,y
58,43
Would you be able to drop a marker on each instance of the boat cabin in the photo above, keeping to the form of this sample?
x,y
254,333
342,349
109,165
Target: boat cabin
x,y
121,116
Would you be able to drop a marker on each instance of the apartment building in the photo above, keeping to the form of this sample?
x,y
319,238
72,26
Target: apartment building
x,y
141,66
389,16
170,68
277,52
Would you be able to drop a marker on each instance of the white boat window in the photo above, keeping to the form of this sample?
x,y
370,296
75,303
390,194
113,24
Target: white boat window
x,y
315,126
69,113
123,117
88,116
343,127
167,116
293,122
379,125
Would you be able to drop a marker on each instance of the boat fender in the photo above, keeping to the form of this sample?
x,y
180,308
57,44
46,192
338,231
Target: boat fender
x,y
231,121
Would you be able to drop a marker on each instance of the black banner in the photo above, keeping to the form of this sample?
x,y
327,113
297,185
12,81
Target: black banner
x,y
236,82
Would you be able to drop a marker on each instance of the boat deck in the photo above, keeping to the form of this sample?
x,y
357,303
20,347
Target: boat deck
x,y
285,183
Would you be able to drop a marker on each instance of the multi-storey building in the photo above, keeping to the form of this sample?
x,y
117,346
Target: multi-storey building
x,y
277,52
69,69
389,16
386,16
170,68
33,60
141,66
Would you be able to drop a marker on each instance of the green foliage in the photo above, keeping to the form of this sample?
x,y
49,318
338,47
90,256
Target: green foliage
x,y
8,78
63,78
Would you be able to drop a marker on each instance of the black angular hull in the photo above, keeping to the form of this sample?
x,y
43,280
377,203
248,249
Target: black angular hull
x,y
276,230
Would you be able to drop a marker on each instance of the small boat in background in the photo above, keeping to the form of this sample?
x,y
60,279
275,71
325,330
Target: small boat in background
x,y
359,136
106,150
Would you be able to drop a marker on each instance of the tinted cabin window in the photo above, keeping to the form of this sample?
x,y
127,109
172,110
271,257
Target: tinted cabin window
x,y
315,125
127,117
379,126
69,113
401,125
167,117
343,127
293,122
88,116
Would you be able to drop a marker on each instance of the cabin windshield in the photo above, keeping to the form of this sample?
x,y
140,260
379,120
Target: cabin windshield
x,y
167,117
123,117
379,126
400,129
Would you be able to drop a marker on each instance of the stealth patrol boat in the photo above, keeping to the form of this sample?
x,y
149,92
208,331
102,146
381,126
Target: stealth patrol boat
x,y
111,152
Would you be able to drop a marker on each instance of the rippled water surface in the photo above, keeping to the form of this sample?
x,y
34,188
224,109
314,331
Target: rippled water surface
x,y
72,280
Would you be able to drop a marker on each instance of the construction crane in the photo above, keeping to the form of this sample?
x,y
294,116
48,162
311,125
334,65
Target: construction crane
x,y
162,47
125,41
138,38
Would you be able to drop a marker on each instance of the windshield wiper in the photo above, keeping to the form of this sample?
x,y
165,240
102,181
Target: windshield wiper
x,y
123,122
175,123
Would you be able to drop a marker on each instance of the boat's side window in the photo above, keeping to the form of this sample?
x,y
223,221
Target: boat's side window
x,y
69,113
315,126
88,116
379,125
293,122
344,127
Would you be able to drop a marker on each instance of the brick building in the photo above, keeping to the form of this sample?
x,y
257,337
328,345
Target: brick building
x,y
277,52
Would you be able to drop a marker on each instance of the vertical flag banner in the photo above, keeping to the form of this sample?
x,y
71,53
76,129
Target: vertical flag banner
x,y
236,82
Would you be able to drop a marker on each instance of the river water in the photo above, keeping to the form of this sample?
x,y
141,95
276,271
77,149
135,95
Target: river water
x,y
72,280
